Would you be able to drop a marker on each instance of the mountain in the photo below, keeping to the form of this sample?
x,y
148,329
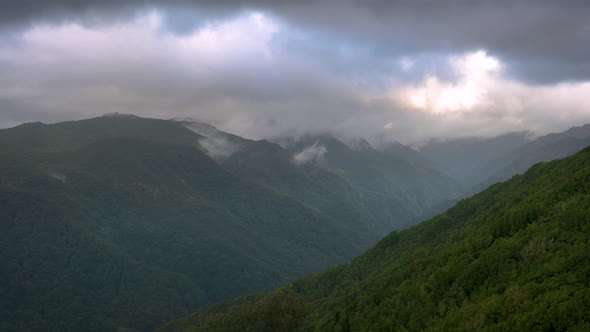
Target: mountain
x,y
349,182
408,154
514,257
121,223
394,190
272,167
478,162
472,160
545,148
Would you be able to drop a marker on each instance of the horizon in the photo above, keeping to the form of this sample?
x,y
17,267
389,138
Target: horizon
x,y
376,143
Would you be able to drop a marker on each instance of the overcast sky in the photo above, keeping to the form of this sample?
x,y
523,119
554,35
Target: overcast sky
x,y
397,70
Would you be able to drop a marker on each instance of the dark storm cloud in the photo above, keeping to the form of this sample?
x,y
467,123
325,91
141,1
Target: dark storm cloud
x,y
543,41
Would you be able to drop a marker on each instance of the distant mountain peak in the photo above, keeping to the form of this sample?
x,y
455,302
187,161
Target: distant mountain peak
x,y
581,132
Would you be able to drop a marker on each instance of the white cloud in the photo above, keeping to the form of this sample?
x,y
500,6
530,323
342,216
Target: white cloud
x,y
309,154
476,72
218,147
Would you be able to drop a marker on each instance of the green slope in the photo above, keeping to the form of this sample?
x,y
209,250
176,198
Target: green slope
x,y
513,257
115,223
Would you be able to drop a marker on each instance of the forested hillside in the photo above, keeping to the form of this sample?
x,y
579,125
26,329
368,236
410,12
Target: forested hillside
x,y
125,222
514,257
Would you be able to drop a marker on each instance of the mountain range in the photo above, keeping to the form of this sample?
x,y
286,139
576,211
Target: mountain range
x,y
122,223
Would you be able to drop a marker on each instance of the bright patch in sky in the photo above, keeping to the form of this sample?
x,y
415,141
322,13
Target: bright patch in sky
x,y
475,72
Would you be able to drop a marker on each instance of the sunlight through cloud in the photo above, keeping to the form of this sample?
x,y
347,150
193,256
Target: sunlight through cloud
x,y
475,72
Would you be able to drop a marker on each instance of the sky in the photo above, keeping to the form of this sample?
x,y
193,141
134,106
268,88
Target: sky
x,y
403,71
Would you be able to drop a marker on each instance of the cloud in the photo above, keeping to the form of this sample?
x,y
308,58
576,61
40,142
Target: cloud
x,y
482,100
544,41
216,144
231,73
275,69
76,71
218,147
309,154
476,72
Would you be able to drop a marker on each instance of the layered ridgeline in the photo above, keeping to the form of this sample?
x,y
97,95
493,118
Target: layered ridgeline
x,y
472,160
349,182
513,257
394,188
480,162
123,222
545,148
